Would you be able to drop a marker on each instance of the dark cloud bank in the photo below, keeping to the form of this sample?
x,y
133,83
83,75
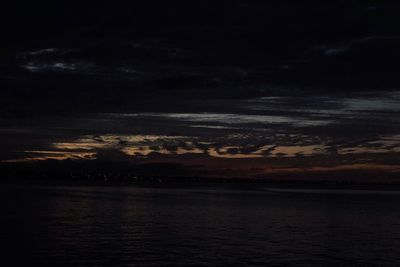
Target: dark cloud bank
x,y
300,90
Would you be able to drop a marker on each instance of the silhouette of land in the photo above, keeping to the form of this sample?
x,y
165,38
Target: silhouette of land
x,y
120,173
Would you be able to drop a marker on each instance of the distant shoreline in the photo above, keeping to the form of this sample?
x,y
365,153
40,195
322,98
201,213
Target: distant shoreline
x,y
190,183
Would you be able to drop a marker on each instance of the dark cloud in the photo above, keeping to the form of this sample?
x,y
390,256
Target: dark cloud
x,y
282,84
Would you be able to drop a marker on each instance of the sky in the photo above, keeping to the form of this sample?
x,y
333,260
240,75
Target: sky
x,y
249,89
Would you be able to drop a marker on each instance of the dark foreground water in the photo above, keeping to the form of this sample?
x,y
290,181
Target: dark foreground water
x,y
206,226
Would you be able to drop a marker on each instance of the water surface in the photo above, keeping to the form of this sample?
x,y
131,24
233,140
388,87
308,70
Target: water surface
x,y
202,226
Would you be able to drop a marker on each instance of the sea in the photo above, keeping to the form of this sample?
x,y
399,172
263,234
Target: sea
x,y
207,225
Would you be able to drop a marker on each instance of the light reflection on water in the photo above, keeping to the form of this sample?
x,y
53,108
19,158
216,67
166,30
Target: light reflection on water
x,y
130,226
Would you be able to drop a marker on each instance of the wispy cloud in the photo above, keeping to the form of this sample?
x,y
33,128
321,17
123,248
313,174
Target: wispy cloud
x,y
318,133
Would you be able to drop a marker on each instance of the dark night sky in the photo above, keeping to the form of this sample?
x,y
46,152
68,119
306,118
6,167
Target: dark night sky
x,y
213,88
